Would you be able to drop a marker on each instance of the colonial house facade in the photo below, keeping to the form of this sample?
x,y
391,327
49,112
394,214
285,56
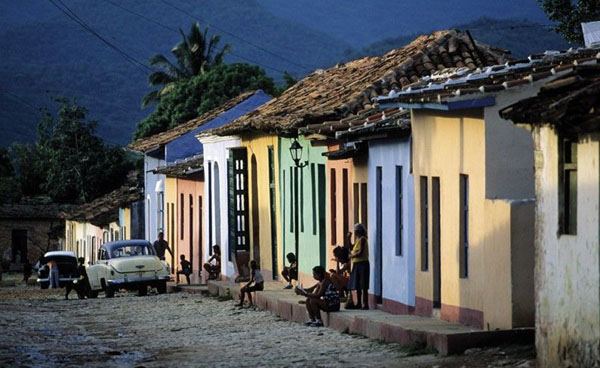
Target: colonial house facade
x,y
474,192
167,149
334,94
563,119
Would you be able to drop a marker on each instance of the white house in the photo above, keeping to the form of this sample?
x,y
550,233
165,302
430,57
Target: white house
x,y
563,118
216,156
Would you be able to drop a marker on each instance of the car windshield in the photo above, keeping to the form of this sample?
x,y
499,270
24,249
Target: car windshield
x,y
131,251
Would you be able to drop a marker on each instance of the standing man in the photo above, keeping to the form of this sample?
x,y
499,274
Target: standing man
x,y
161,245
53,273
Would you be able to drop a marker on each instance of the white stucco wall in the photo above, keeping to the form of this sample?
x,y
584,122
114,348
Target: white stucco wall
x,y
150,180
567,273
398,271
216,151
509,150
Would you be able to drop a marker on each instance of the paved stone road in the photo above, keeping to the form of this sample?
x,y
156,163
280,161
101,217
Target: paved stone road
x,y
39,328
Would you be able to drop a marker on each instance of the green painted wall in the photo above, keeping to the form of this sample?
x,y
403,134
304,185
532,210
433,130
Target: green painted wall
x,y
311,204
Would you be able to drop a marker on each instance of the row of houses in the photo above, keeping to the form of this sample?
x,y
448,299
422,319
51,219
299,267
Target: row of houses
x,y
470,217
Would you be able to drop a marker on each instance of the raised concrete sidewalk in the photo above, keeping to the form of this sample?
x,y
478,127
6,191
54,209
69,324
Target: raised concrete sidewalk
x,y
445,337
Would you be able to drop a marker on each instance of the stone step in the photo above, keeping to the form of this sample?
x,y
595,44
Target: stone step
x,y
445,337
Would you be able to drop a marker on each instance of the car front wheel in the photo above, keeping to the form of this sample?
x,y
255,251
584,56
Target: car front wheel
x,y
92,294
110,292
162,287
143,290
44,285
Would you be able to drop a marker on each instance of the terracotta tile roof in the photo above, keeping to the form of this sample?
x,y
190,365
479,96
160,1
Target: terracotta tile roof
x,y
570,103
346,151
182,168
387,123
149,143
446,86
367,124
104,210
347,88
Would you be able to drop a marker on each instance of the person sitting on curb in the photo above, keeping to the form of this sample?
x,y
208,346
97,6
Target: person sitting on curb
x,y
290,273
186,269
214,269
321,297
341,274
256,283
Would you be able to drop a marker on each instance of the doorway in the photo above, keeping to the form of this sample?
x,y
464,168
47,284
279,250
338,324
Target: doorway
x,y
322,208
378,235
435,241
255,216
19,246
273,213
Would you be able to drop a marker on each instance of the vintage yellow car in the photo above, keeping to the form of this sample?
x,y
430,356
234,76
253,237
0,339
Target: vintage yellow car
x,y
127,264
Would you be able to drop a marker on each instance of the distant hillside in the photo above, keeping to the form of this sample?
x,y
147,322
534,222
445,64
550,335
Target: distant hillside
x,y
45,54
360,23
521,37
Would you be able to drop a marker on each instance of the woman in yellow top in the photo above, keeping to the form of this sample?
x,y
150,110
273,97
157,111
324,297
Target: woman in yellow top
x,y
359,278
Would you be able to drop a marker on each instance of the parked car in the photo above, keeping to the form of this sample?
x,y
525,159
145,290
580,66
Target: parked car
x,y
67,268
127,264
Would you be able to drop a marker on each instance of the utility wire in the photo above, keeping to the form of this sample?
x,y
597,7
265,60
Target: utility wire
x,y
69,13
237,37
174,30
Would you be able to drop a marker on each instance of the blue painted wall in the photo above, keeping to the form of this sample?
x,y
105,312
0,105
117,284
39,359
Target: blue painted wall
x,y
187,145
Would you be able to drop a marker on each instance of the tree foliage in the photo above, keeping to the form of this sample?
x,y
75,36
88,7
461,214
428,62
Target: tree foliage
x,y
570,14
190,98
194,55
69,163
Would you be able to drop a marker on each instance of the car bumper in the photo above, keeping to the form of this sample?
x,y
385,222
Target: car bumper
x,y
61,279
136,280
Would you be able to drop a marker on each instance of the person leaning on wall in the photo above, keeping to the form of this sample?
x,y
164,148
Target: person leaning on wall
x,y
359,277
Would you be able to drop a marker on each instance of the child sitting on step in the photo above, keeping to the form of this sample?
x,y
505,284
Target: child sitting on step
x,y
256,283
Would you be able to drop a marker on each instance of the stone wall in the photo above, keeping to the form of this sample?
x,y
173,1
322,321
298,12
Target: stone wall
x,y
37,237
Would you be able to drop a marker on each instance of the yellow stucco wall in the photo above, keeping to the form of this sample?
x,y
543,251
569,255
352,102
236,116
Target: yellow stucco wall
x,y
257,147
171,220
446,145
126,223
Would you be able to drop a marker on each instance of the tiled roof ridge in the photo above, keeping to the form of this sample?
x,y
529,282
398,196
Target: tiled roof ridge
x,y
347,88
143,144
524,71
181,167
571,102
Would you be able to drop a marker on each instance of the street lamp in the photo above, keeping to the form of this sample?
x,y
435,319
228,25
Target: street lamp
x,y
296,153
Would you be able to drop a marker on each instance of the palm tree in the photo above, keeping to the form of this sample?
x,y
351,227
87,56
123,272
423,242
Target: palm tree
x,y
194,55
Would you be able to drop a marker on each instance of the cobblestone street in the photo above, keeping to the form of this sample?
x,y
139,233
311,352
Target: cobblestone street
x,y
40,328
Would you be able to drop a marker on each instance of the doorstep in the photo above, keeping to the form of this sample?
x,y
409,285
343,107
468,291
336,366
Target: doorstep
x,y
446,337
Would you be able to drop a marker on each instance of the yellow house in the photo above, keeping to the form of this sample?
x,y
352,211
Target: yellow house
x,y
474,192
264,204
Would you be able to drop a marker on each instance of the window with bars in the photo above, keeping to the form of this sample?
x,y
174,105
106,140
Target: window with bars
x,y
424,223
464,226
399,217
567,186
